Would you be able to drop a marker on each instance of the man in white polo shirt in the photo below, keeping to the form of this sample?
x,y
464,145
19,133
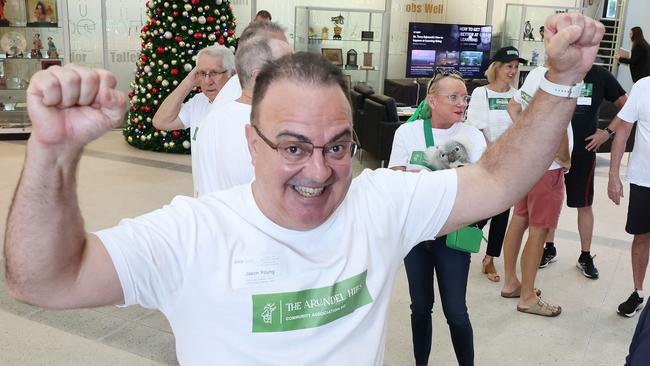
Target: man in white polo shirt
x,y
637,109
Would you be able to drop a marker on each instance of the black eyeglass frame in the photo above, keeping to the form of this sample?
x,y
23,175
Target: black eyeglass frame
x,y
210,74
353,146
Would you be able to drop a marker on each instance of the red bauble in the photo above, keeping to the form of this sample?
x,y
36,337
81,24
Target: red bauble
x,y
153,22
139,126
144,58
196,2
221,40
231,32
175,13
160,49
176,134
197,35
134,109
147,109
178,38
145,28
174,72
158,10
130,95
154,90
209,19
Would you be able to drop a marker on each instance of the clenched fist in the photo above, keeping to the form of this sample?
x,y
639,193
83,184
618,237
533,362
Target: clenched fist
x,y
70,106
572,42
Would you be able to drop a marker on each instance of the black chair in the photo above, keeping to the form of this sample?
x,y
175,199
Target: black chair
x,y
357,95
380,121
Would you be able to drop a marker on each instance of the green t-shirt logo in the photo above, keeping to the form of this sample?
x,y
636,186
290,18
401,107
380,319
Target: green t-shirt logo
x,y
420,158
587,90
498,104
310,308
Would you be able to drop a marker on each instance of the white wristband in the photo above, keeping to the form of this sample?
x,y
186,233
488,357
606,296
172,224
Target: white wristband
x,y
566,91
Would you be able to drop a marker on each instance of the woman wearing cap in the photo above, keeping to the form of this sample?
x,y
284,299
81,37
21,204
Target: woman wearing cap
x,y
488,111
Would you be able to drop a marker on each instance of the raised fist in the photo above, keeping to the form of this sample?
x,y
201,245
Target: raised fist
x,y
70,106
572,42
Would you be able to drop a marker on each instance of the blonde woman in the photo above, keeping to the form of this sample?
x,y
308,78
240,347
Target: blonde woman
x,y
488,111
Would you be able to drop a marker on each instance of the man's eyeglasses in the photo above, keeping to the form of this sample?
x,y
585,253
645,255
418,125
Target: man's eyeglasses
x,y
298,152
210,74
455,98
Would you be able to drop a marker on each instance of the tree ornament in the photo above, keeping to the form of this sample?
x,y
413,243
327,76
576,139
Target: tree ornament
x,y
186,144
201,19
187,8
187,67
168,35
176,134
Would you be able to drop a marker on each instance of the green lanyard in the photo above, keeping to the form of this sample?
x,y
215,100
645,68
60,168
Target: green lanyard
x,y
428,135
421,111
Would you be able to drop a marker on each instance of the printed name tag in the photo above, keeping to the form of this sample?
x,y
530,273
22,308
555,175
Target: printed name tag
x,y
253,271
311,308
584,100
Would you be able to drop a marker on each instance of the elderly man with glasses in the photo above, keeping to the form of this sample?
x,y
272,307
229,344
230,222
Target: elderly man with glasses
x,y
214,67
296,267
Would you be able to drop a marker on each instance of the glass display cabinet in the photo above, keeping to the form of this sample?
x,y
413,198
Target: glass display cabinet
x,y
353,39
523,29
31,39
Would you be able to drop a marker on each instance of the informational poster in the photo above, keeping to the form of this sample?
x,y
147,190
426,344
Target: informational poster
x,y
461,47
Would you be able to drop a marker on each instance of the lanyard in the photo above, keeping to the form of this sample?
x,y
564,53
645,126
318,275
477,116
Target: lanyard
x,y
428,135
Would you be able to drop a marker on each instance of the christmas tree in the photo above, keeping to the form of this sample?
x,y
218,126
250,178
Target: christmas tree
x,y
175,31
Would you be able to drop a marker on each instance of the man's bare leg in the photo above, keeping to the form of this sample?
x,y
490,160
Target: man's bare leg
x,y
511,245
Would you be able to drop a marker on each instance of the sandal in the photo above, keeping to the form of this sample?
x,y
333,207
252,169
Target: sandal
x,y
490,271
516,293
542,308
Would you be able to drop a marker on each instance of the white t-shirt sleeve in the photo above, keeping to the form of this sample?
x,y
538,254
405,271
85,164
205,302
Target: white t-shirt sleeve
x,y
477,111
185,115
477,144
150,253
399,155
630,111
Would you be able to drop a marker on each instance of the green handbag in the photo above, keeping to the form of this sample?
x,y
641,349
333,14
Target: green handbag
x,y
466,239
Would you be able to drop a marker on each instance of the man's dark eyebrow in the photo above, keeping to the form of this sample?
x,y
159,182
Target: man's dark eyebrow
x,y
345,133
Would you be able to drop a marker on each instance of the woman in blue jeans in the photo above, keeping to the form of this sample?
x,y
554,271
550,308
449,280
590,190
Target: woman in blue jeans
x,y
420,145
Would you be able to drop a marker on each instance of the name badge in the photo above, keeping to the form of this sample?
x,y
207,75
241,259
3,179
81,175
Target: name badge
x,y
252,271
584,100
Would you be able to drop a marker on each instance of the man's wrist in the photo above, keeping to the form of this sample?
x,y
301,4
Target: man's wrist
x,y
561,90
609,131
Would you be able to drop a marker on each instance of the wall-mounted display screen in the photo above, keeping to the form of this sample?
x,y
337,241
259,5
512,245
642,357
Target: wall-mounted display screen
x,y
463,47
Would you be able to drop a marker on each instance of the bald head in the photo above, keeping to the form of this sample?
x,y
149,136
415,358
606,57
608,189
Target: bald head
x,y
254,53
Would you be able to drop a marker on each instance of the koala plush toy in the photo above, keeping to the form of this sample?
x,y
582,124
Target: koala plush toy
x,y
451,154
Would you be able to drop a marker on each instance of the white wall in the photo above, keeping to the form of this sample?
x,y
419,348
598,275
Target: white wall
x,y
635,16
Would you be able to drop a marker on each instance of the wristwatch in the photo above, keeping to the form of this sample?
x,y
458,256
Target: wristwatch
x,y
559,90
609,131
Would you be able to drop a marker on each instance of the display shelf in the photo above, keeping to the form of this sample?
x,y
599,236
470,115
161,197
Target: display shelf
x,y
309,28
28,43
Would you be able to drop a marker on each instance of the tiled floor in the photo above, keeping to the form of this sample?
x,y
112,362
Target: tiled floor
x,y
118,181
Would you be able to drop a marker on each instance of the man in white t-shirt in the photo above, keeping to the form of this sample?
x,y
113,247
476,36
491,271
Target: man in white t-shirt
x,y
637,109
294,267
225,160
538,211
214,67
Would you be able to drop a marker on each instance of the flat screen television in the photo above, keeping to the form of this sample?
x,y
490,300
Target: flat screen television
x,y
463,47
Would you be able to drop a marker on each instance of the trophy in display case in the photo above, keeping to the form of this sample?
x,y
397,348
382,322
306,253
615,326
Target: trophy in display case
x,y
338,22
367,61
528,31
325,33
351,60
51,49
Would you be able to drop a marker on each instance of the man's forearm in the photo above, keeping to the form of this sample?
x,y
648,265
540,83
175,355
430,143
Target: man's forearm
x,y
171,107
618,148
520,165
44,242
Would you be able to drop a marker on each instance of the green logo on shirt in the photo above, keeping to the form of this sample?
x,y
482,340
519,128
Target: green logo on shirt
x,y
311,308
420,158
587,90
498,104
196,130
525,97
